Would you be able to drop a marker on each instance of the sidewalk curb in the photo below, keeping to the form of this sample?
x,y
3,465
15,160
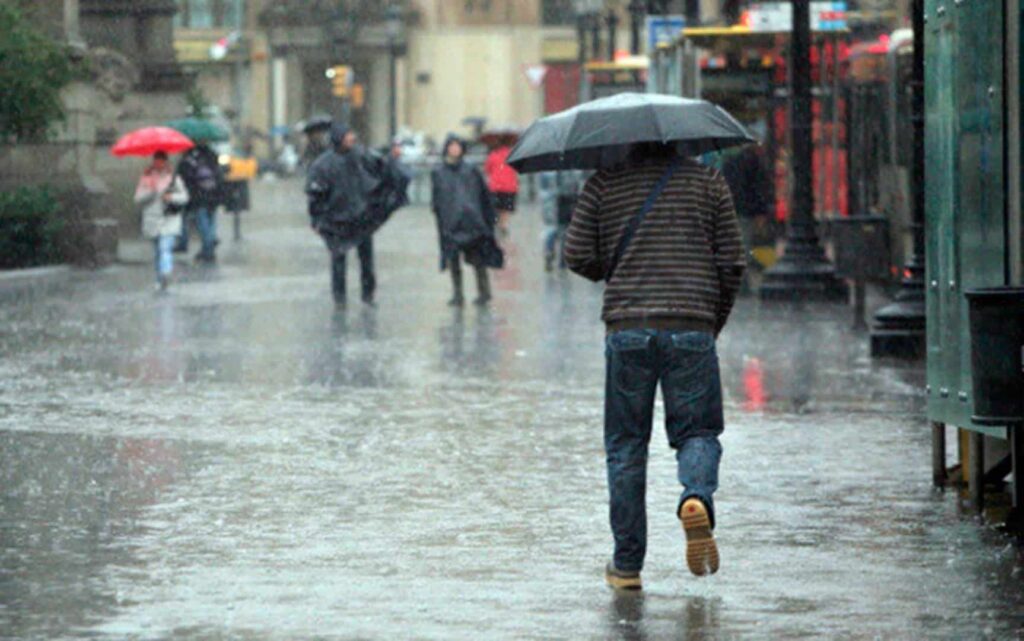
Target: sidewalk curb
x,y
21,276
134,252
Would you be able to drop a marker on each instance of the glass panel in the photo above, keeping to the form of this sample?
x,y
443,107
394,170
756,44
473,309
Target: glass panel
x,y
200,14
234,13
558,12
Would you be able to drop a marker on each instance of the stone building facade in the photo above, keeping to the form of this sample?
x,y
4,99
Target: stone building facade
x,y
134,81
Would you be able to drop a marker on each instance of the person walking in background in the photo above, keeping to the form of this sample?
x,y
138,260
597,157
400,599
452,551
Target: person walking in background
x,y
162,196
503,182
201,171
465,221
338,185
558,193
746,172
662,233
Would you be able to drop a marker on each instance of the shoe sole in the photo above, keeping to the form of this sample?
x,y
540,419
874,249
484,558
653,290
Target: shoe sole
x,y
701,550
622,583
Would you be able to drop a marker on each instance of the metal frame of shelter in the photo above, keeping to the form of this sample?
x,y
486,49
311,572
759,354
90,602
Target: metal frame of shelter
x,y
675,69
601,79
973,217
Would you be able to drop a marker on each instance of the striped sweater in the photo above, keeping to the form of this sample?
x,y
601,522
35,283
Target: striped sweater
x,y
685,263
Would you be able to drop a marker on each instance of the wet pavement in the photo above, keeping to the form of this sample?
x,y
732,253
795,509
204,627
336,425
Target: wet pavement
x,y
239,460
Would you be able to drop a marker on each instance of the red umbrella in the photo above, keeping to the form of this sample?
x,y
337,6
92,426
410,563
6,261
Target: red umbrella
x,y
149,140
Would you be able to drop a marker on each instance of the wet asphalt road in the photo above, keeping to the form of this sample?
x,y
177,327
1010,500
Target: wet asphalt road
x,y
237,460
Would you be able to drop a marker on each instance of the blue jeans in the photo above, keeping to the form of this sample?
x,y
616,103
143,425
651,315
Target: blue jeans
x,y
686,365
554,242
206,222
163,254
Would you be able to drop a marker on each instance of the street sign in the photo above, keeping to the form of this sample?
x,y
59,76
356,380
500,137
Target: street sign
x,y
663,30
775,17
535,75
219,49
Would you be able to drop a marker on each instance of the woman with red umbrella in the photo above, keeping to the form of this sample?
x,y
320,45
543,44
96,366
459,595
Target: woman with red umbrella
x,y
160,193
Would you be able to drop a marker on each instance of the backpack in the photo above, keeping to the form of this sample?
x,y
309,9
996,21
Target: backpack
x,y
205,178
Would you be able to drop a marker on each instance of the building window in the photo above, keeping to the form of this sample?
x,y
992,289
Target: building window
x,y
478,6
558,12
233,14
209,14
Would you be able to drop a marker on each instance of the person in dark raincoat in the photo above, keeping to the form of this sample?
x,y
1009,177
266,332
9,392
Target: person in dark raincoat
x,y
204,180
466,218
347,188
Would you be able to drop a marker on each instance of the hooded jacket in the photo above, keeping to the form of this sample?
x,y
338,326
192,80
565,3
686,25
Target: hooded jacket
x,y
352,193
338,184
465,214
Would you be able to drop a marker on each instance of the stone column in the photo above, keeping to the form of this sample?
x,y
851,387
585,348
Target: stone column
x,y
59,18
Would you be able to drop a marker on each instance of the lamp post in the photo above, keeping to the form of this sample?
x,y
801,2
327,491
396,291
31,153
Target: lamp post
x,y
613,32
394,27
899,328
803,272
637,10
595,35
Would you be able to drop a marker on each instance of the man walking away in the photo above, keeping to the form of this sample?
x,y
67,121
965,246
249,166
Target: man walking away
x,y
465,221
746,173
663,234
338,186
201,172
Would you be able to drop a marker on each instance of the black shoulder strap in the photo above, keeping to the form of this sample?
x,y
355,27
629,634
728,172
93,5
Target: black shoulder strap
x,y
635,222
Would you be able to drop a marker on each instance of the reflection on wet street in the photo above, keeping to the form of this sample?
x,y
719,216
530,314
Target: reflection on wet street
x,y
240,460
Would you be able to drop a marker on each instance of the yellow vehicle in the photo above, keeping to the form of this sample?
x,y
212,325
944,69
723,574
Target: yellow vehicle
x,y
238,170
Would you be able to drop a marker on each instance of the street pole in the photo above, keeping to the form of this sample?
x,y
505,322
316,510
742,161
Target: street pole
x,y
613,33
803,272
393,91
636,16
899,328
595,35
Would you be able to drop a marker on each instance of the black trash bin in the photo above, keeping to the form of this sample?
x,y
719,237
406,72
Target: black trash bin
x,y
997,354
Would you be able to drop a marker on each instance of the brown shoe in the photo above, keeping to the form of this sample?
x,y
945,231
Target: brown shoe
x,y
701,551
621,580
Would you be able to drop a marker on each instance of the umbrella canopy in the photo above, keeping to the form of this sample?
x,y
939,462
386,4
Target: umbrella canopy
x,y
506,134
388,193
601,133
317,123
200,130
149,140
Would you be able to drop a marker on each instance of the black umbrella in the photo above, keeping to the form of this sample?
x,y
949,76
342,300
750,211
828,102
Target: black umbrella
x,y
505,134
317,123
388,194
600,133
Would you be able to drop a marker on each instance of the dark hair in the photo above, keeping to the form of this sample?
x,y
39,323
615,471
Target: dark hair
x,y
454,139
653,150
160,155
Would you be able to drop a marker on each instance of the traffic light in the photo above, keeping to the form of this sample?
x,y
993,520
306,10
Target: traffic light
x,y
358,96
341,78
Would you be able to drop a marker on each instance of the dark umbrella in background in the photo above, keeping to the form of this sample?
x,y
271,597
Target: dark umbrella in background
x,y
503,135
600,134
200,130
388,194
317,123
